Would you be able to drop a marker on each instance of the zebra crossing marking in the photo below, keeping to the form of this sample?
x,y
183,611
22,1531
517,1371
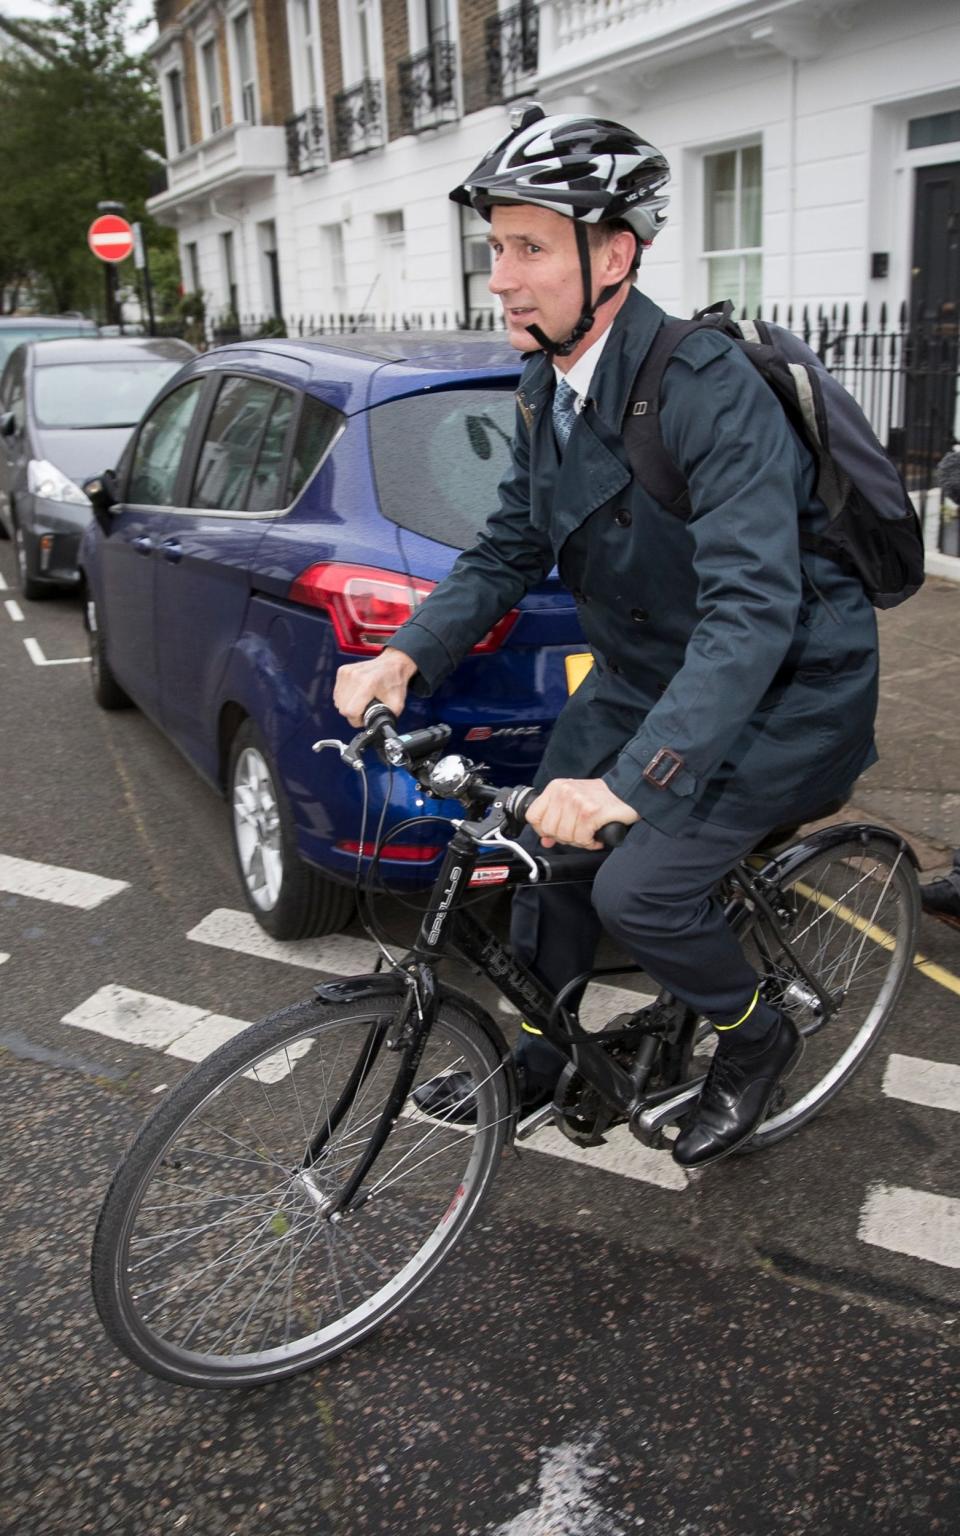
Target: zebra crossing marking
x,y
240,931
912,1221
177,1029
14,610
935,1084
53,882
3,957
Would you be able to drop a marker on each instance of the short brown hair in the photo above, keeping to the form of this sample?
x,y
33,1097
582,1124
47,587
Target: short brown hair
x,y
600,235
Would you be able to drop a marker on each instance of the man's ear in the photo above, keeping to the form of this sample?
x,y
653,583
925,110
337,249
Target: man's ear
x,y
620,253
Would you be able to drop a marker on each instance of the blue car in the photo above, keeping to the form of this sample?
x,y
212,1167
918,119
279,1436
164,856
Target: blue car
x,y
281,509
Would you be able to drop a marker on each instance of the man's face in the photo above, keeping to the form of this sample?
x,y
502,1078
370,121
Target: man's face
x,y
536,272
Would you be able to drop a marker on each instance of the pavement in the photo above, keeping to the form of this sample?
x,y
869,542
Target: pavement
x,y
915,787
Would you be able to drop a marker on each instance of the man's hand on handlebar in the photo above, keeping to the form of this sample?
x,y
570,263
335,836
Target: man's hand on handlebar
x,y
571,811
385,677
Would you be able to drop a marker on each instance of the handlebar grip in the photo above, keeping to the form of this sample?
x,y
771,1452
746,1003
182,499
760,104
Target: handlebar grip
x,y
520,800
612,835
377,714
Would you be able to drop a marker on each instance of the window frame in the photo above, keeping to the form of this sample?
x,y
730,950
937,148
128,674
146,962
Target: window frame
x,y
209,39
175,123
189,449
238,86
705,256
301,83
222,380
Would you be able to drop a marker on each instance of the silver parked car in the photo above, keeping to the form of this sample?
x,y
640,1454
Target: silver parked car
x,y
67,410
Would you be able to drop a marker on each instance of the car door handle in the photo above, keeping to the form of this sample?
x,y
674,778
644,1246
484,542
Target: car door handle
x,y
172,550
143,544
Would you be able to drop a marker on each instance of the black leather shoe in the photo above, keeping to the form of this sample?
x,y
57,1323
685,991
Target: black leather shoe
x,y
941,898
451,1097
736,1095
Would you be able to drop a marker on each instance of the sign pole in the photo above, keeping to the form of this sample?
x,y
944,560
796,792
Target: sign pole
x,y
141,260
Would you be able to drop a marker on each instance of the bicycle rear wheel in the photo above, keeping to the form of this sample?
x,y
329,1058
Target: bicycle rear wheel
x,y
214,1263
851,914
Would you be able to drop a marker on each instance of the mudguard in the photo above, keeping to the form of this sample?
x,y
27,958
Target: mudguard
x,y
783,864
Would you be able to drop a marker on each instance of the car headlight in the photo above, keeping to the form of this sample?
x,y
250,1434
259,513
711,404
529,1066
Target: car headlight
x,y
46,480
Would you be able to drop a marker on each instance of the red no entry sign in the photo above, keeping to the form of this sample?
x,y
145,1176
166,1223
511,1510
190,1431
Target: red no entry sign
x,y
110,238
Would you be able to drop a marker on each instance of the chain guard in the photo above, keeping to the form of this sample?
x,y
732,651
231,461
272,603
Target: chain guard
x,y
578,1111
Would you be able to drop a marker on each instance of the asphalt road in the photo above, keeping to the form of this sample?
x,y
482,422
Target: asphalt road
x,y
604,1355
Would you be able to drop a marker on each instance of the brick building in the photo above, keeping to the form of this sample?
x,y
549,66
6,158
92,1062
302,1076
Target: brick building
x,y
815,148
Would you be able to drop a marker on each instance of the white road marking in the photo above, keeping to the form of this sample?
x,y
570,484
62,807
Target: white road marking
x,y
14,610
177,1029
621,1154
3,584
912,1221
240,931
935,1084
37,657
51,882
3,957
566,1505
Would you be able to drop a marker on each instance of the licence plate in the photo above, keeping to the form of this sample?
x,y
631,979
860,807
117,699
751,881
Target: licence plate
x,y
577,667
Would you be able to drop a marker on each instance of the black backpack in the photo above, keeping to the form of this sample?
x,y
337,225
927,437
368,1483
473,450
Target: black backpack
x,y
873,531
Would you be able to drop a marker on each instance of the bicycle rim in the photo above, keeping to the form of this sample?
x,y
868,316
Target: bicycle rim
x,y
215,1261
852,920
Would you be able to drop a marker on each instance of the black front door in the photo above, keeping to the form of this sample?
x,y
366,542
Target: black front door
x,y
932,357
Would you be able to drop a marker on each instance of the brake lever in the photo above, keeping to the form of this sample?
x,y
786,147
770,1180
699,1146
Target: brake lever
x,y
493,836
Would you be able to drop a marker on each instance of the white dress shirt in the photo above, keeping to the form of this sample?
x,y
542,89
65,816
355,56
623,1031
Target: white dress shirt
x,y
580,376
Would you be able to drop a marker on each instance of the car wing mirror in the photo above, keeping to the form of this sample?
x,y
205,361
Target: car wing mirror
x,y
8,424
102,493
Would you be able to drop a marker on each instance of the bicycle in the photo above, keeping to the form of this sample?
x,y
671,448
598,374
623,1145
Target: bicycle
x,y
287,1196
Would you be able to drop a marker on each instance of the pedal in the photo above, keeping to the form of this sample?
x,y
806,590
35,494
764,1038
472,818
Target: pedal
x,y
648,1125
533,1122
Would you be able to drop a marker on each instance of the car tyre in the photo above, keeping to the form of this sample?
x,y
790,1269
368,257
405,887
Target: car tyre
x,y
30,587
288,897
106,689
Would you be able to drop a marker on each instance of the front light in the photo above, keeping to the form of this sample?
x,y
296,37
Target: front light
x,y
46,480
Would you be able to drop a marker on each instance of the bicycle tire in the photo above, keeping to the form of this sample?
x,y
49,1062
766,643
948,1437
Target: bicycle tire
x,y
854,913
212,1262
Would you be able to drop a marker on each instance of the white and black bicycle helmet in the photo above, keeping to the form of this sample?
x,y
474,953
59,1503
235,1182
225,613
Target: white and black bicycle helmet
x,y
586,168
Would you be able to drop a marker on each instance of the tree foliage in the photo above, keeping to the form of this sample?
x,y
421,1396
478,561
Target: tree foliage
x,y
78,115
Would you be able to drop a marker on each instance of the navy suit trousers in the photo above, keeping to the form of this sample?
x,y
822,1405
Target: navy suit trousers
x,y
654,896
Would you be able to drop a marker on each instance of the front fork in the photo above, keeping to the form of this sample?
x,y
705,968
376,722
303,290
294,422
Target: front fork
x,y
406,1031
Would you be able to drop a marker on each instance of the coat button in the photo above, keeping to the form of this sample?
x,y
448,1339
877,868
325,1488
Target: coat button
x,y
639,615
623,517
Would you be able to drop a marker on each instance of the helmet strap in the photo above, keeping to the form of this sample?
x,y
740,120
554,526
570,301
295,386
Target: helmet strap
x,y
588,313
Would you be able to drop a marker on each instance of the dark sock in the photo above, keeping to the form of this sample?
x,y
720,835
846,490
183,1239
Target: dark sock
x,y
755,1031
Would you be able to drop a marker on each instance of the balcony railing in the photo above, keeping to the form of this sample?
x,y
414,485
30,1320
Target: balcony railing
x,y
306,150
512,39
428,95
358,119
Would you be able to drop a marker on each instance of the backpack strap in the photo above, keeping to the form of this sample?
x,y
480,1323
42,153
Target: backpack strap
x,y
652,466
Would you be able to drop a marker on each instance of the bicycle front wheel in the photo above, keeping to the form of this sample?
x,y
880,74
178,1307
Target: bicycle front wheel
x,y
215,1261
850,912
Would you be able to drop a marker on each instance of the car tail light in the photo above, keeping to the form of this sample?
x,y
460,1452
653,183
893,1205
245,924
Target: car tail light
x,y
409,853
367,605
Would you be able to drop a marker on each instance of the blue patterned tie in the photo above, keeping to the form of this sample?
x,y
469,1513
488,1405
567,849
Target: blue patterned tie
x,y
564,411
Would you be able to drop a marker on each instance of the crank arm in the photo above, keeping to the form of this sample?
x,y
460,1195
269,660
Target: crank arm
x,y
648,1125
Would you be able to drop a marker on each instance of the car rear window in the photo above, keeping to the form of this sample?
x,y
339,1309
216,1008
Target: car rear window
x,y
92,394
16,335
438,460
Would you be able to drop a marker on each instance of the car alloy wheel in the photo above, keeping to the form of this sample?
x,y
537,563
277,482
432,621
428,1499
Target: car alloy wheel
x,y
256,821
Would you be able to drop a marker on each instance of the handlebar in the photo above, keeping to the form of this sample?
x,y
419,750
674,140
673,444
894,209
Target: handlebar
x,y
411,748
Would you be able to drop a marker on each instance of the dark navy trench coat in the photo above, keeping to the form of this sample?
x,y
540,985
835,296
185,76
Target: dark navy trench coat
x,y
735,678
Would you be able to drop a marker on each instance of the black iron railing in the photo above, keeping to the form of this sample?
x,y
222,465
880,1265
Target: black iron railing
x,y
512,39
903,373
358,119
306,147
428,95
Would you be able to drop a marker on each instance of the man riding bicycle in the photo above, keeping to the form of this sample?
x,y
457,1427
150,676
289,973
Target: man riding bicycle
x,y
734,684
